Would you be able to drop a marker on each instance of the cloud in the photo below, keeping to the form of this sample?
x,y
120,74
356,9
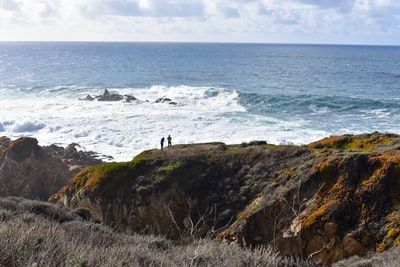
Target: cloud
x,y
9,5
343,5
144,8
199,20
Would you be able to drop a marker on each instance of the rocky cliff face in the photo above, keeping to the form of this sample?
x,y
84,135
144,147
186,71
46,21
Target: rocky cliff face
x,y
28,170
332,199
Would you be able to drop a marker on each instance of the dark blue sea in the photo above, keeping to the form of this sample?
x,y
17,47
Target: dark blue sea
x,y
233,93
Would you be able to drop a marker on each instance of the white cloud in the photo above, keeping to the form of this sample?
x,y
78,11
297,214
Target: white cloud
x,y
346,21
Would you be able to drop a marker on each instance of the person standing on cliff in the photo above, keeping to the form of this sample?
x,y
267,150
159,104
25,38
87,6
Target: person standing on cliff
x,y
169,138
162,143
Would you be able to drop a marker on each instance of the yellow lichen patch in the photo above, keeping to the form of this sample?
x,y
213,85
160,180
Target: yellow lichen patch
x,y
371,182
324,203
318,215
325,166
392,229
364,142
326,142
250,209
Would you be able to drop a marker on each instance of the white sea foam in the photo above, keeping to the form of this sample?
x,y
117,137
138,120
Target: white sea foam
x,y
28,126
124,129
318,110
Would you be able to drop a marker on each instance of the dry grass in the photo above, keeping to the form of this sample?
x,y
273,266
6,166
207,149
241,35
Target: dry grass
x,y
34,233
389,258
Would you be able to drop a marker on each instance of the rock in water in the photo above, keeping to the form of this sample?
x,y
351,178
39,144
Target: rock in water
x,y
106,96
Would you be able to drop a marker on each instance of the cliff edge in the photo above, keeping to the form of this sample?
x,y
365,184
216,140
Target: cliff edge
x,y
329,200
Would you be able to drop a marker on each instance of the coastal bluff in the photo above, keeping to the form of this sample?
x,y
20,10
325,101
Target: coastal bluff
x,y
328,200
31,171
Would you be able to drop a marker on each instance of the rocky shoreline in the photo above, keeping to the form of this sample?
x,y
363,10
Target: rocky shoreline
x,y
35,172
329,200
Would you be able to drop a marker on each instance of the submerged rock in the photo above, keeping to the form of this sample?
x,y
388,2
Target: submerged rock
x,y
165,100
88,98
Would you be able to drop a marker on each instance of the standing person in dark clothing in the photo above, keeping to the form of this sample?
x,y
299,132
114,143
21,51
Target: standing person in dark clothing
x,y
162,143
169,138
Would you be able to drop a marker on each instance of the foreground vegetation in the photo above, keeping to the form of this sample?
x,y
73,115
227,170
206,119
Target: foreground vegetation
x,y
34,233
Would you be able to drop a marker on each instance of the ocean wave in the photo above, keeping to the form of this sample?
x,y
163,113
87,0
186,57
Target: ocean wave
x,y
314,104
232,94
28,126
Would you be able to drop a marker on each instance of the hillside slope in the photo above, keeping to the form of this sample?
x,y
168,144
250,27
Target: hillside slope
x,y
332,199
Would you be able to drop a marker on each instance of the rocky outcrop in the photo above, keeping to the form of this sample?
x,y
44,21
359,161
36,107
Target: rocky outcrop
x,y
329,200
30,171
75,159
106,96
345,203
165,100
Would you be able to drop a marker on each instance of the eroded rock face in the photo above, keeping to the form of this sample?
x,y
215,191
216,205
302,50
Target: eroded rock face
x,y
26,170
30,171
329,200
344,204
178,192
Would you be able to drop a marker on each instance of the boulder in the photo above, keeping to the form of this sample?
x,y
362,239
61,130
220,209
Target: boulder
x,y
30,171
26,170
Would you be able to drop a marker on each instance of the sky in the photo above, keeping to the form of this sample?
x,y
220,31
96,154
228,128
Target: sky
x,y
375,22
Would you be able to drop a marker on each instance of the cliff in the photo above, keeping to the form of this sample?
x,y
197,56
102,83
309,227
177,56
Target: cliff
x,y
31,171
329,200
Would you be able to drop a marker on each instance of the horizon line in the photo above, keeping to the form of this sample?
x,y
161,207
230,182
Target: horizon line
x,y
197,42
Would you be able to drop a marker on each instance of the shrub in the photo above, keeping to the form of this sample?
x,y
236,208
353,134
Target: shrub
x,y
30,239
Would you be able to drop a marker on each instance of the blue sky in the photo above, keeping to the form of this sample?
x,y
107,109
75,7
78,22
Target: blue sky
x,y
265,21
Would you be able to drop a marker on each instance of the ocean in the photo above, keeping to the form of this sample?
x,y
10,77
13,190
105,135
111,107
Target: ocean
x,y
231,93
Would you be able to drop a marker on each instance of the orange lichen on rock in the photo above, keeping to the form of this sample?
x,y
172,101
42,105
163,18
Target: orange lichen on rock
x,y
364,142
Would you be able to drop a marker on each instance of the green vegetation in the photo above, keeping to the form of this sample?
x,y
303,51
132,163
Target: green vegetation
x,y
2,153
171,167
108,178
